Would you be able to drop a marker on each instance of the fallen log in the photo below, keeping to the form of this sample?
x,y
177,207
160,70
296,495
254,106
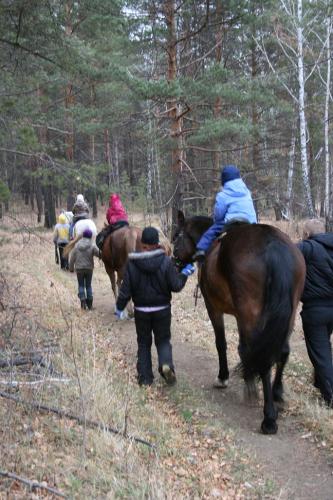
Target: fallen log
x,y
82,421
23,360
32,484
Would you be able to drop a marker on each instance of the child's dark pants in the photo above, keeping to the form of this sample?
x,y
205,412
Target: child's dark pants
x,y
63,260
84,278
158,322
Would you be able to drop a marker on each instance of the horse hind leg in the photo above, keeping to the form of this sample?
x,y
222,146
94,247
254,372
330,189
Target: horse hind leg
x,y
112,276
268,425
222,379
280,365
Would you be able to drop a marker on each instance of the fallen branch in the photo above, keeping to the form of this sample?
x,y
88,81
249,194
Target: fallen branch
x,y
32,484
63,414
17,383
23,360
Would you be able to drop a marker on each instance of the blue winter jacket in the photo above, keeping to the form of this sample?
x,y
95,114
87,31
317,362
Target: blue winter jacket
x,y
233,202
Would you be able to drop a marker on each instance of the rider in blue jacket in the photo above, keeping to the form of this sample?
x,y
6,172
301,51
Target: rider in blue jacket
x,y
234,202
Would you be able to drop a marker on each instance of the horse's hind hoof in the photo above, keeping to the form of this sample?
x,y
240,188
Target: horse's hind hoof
x,y
220,384
269,426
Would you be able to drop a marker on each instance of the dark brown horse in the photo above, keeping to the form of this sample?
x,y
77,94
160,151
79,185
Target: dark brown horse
x,y
256,274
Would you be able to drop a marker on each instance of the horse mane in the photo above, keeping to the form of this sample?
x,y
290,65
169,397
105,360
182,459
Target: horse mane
x,y
201,219
197,225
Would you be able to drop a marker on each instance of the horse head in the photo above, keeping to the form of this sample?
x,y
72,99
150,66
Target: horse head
x,y
187,235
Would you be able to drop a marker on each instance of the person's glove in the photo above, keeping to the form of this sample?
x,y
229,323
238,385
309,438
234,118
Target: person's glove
x,y
120,314
188,270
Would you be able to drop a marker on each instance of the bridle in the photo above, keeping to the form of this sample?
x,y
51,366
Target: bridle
x,y
179,264
180,234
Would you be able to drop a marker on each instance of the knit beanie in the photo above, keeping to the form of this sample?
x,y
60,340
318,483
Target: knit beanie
x,y
62,219
150,236
87,233
80,197
229,173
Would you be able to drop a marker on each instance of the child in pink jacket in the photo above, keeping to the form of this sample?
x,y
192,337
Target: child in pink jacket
x,y
116,212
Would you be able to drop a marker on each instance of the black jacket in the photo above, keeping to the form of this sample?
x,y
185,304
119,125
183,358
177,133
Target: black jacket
x,y
149,279
318,255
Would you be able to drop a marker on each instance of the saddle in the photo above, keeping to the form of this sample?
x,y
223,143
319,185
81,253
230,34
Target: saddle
x,y
232,224
111,228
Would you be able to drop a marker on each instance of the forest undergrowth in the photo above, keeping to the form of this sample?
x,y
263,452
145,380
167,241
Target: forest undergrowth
x,y
69,364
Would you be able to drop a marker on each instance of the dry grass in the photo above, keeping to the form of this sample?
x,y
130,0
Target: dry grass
x,y
94,464
41,314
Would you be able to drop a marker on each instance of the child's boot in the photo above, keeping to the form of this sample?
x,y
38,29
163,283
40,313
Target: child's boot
x,y
89,303
83,304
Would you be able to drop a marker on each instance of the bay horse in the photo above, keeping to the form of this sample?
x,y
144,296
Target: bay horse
x,y
115,250
255,273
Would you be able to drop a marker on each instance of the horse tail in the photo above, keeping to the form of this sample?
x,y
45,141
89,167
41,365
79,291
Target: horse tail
x,y
264,347
69,247
131,239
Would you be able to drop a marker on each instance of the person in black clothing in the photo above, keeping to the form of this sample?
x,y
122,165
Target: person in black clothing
x,y
317,298
149,279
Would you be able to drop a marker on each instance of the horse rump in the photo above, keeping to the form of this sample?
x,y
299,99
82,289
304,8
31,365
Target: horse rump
x,y
263,347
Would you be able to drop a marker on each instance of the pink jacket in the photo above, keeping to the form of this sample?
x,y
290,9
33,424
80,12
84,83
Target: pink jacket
x,y
116,211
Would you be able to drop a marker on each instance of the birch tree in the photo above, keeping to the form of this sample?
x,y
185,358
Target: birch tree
x,y
289,31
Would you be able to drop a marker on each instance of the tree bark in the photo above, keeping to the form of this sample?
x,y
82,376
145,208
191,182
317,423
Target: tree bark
x,y
328,202
290,174
174,112
218,101
301,111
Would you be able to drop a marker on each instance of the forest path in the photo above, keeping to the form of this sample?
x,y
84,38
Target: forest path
x,y
300,468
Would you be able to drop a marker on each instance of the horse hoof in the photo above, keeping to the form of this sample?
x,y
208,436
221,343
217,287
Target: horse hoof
x,y
220,384
269,426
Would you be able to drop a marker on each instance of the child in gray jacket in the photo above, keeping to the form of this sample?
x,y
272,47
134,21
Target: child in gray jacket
x,y
82,260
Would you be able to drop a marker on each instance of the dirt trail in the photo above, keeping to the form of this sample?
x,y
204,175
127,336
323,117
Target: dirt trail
x,y
299,467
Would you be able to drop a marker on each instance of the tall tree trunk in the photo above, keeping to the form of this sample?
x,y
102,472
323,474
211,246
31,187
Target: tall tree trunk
x,y
39,200
255,114
301,111
328,202
218,101
107,156
68,116
174,111
92,190
150,165
49,206
290,174
43,162
116,162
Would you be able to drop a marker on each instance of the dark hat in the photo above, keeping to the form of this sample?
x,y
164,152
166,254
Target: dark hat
x,y
87,233
150,236
229,173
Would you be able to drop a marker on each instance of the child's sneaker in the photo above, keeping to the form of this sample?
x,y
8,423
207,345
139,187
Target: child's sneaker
x,y
168,374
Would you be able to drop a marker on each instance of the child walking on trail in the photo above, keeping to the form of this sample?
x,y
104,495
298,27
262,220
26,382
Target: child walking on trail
x,y
82,260
149,279
234,202
61,238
